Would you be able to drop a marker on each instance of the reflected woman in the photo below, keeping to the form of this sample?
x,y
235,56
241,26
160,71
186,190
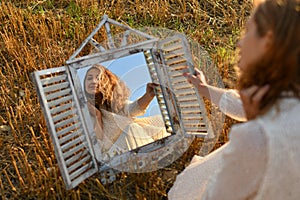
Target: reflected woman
x,y
113,114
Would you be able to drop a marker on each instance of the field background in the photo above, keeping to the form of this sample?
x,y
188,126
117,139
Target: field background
x,y
36,35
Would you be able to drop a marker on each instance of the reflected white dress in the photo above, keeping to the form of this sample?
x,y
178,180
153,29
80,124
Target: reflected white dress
x,y
260,161
123,132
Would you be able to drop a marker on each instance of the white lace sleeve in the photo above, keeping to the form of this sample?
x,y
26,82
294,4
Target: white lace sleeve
x,y
231,105
243,164
133,109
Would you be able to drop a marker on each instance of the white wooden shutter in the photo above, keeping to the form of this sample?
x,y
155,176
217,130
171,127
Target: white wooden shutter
x,y
72,145
186,107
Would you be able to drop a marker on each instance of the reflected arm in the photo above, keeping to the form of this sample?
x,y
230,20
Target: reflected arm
x,y
98,126
145,100
138,107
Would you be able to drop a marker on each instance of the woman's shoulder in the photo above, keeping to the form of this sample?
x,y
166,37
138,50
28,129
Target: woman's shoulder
x,y
281,118
285,111
250,131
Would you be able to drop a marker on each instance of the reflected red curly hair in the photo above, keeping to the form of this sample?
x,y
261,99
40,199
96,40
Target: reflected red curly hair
x,y
112,93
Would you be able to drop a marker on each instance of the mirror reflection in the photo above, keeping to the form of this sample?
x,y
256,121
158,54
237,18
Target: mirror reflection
x,y
122,104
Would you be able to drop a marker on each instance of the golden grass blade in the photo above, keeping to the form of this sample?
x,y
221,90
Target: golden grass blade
x,y
9,181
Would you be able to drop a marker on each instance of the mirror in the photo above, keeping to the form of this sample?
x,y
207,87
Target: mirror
x,y
97,126
113,89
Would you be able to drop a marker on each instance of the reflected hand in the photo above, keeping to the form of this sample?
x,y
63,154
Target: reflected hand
x,y
150,90
251,98
98,126
92,109
145,100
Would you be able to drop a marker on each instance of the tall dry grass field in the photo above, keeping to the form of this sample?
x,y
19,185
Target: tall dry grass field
x,y
36,35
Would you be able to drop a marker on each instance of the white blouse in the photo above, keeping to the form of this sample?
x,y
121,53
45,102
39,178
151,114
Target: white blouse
x,y
231,104
260,161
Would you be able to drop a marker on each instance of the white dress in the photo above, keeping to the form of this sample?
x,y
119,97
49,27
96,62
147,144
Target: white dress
x,y
123,132
260,161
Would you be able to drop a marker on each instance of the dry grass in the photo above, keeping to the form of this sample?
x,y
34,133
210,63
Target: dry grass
x,y
36,35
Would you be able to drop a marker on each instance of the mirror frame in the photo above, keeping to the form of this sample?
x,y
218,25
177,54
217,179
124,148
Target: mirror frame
x,y
145,158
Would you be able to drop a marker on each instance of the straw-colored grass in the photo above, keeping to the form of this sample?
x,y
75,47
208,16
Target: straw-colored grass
x,y
36,35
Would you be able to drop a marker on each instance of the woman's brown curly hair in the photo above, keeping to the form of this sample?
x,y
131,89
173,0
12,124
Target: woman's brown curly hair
x,y
280,66
112,93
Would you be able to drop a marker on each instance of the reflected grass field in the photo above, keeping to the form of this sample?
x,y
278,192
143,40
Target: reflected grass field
x,y
36,35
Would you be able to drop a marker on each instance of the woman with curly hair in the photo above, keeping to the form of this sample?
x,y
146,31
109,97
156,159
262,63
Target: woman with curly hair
x,y
113,114
261,159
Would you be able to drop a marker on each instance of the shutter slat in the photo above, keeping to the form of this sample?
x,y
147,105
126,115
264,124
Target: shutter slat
x,y
69,136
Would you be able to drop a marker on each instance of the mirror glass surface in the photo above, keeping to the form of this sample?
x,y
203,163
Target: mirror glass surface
x,y
122,125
